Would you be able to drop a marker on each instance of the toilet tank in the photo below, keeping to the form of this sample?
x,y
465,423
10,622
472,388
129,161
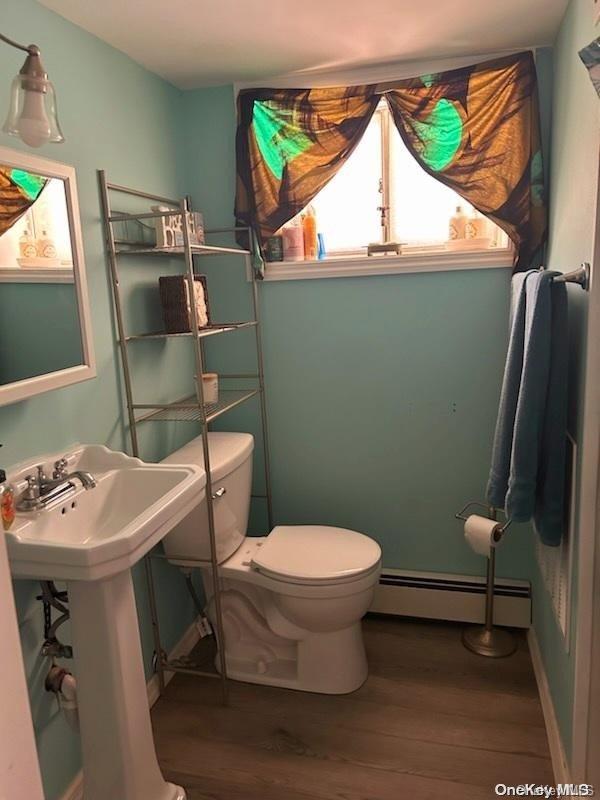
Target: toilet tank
x,y
231,470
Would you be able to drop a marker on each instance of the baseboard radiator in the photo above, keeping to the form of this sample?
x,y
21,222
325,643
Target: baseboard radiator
x,y
456,598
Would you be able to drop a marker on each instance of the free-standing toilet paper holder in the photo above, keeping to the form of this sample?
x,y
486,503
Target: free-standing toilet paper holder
x,y
488,640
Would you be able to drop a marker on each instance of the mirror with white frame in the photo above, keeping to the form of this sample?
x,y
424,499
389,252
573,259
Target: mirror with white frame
x,y
45,329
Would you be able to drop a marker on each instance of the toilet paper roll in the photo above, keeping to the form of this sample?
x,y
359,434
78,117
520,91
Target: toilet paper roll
x,y
482,534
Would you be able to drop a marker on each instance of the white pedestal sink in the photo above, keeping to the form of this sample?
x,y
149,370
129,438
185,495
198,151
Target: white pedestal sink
x,y
91,540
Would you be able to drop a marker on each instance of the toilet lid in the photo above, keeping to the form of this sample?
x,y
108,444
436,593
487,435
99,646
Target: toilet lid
x,y
316,554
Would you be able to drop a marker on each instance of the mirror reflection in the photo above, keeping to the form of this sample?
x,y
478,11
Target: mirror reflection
x,y
39,319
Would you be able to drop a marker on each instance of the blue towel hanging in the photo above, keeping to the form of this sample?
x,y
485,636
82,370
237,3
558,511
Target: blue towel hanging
x,y
527,474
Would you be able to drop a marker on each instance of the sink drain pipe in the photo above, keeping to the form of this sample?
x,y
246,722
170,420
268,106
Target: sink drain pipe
x,y
52,598
63,684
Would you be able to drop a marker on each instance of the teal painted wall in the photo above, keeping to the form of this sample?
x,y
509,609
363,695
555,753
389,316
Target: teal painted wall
x,y
574,176
382,391
115,116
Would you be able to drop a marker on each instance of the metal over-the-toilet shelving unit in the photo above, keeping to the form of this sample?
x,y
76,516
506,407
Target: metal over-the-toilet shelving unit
x,y
189,409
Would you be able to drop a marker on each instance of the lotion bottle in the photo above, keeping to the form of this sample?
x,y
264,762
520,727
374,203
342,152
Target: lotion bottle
x,y
476,226
45,246
27,248
293,241
458,225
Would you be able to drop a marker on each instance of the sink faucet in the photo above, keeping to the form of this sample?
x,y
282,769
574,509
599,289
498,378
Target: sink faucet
x,y
41,490
60,475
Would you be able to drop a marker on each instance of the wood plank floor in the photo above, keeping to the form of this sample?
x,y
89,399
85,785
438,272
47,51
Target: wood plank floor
x,y
432,722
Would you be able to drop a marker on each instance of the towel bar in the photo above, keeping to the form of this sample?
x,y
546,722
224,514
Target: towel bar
x,y
580,276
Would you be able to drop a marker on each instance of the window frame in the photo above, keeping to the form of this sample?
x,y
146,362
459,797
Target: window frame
x,y
362,266
386,170
414,258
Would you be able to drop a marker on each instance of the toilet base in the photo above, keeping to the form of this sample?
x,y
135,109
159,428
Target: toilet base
x,y
296,636
325,663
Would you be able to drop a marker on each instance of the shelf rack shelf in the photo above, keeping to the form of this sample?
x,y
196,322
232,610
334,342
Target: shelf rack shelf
x,y
195,249
189,409
203,333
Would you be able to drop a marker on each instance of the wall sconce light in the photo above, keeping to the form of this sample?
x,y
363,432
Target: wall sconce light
x,y
32,112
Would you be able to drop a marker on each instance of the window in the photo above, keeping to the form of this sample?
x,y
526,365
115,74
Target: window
x,y
382,195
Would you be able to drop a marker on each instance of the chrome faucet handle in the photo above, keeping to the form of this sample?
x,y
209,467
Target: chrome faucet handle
x,y
33,485
60,469
32,490
30,498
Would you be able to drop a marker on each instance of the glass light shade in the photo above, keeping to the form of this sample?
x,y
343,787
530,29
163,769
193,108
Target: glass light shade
x,y
32,113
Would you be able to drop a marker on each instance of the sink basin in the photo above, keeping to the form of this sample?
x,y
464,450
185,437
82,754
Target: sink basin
x,y
97,533
91,539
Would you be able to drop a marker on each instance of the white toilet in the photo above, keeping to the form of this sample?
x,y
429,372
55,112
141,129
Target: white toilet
x,y
293,600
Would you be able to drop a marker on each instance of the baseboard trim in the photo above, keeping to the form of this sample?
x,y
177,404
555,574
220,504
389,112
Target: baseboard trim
x,y
188,641
560,764
455,598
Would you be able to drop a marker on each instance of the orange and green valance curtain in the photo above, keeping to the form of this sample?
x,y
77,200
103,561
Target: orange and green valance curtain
x,y
18,192
475,129
290,143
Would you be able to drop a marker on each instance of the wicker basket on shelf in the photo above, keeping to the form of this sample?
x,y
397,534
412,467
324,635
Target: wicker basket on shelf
x,y
177,310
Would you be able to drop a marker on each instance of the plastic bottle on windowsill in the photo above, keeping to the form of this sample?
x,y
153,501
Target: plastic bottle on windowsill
x,y
293,240
322,250
477,226
309,228
458,225
45,246
27,247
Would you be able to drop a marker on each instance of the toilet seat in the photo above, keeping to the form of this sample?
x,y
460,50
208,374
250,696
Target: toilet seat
x,y
316,555
241,567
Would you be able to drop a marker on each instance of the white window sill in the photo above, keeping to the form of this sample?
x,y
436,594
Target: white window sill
x,y
42,275
407,263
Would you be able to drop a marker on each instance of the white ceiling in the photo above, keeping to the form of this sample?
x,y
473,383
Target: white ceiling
x,y
214,42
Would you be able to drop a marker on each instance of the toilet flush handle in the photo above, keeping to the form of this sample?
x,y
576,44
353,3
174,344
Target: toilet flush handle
x,y
219,493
